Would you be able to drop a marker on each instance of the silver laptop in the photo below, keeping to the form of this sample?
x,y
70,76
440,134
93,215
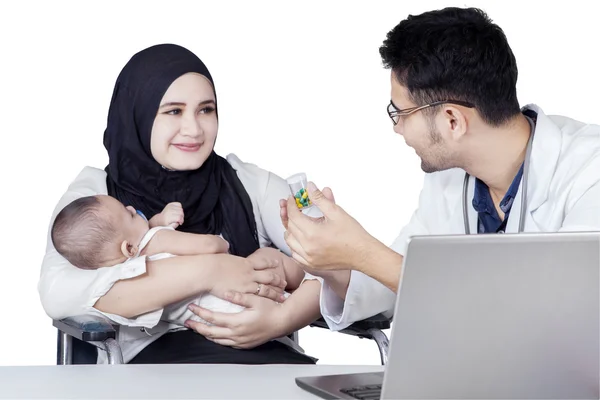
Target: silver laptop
x,y
489,317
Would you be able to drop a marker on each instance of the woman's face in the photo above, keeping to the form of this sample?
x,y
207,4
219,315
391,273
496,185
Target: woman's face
x,y
185,127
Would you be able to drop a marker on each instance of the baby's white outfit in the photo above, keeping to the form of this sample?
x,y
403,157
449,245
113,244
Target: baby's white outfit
x,y
178,313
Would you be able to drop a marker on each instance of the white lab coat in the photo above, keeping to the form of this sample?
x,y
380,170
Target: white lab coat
x,y
563,195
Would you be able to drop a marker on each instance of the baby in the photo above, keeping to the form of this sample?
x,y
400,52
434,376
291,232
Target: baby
x,y
99,231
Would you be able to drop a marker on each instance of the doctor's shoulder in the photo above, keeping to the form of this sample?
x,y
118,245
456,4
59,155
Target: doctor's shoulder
x,y
580,142
577,133
577,168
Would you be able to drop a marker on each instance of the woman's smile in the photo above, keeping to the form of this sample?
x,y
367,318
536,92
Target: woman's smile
x,y
187,147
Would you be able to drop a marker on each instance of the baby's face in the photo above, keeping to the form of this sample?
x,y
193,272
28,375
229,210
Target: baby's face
x,y
126,220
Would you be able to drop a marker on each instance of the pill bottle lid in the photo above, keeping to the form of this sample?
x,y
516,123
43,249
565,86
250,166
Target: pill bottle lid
x,y
300,177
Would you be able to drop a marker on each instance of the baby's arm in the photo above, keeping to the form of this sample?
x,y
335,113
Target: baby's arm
x,y
294,275
185,244
180,243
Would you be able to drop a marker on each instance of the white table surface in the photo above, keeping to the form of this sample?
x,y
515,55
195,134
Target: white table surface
x,y
179,381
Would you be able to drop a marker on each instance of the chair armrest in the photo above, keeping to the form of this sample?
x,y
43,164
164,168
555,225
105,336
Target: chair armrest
x,y
87,328
359,328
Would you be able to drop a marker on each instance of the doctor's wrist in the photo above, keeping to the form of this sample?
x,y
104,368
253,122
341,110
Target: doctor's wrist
x,y
338,281
369,250
382,264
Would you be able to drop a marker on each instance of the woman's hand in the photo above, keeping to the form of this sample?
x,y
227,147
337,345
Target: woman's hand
x,y
242,275
261,321
270,258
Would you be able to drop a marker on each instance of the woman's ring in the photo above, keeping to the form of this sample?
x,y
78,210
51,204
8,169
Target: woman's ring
x,y
258,288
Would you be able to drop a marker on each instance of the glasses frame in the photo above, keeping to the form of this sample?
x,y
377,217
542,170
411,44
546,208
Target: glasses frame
x,y
395,113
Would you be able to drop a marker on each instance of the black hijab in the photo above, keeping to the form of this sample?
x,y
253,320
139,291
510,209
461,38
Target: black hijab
x,y
213,198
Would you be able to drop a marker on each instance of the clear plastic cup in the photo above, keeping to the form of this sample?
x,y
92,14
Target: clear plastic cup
x,y
297,184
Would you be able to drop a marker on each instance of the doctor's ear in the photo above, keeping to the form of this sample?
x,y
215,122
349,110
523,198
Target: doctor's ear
x,y
455,122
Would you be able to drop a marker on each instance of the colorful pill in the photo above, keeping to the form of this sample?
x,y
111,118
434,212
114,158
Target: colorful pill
x,y
302,199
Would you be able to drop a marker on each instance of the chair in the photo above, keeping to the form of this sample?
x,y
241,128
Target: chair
x,y
79,337
370,328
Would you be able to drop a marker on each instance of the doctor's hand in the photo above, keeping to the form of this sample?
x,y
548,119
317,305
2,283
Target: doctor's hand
x,y
331,242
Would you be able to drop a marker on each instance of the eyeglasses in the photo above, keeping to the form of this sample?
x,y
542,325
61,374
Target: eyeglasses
x,y
395,113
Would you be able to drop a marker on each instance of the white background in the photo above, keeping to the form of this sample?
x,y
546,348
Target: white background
x,y
300,88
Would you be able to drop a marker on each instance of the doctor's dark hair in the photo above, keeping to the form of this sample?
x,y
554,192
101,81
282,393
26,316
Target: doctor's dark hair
x,y
455,54
82,232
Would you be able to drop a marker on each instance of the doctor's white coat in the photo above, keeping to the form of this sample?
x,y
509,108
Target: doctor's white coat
x,y
563,195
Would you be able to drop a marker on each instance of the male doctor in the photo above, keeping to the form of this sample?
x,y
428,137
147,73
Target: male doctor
x,y
453,89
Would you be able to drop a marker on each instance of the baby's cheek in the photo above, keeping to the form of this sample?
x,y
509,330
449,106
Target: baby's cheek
x,y
138,232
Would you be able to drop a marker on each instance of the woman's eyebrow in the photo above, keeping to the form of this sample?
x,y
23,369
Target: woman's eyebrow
x,y
205,102
179,104
172,103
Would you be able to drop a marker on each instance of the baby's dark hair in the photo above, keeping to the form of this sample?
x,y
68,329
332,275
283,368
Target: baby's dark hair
x,y
81,233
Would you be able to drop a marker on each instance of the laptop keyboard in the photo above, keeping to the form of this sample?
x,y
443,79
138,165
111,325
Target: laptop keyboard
x,y
368,392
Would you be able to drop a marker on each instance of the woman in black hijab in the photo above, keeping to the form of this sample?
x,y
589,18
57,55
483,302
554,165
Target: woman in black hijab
x,y
212,196
161,129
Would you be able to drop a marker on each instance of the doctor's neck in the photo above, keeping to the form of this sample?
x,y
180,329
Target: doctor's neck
x,y
495,154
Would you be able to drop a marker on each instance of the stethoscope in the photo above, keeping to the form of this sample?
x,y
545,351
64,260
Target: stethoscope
x,y
526,163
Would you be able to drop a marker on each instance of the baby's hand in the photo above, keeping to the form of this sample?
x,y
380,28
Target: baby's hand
x,y
171,216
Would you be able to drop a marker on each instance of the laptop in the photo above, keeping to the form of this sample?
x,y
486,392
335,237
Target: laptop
x,y
512,316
